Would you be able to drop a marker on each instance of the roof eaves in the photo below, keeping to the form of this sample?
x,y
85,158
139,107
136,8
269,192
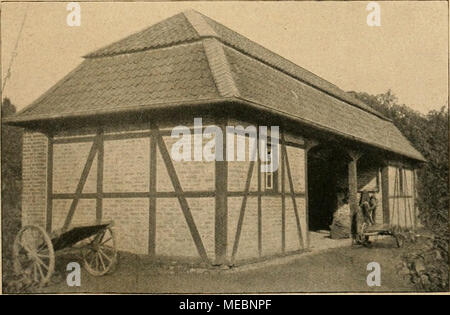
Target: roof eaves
x,y
54,87
418,156
81,114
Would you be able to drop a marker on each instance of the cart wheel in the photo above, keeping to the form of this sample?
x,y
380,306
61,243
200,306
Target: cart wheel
x,y
33,254
100,254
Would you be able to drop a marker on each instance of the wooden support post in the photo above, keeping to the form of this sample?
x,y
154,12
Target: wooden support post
x,y
259,194
414,174
152,188
385,193
353,184
292,188
309,144
48,223
283,197
221,207
99,201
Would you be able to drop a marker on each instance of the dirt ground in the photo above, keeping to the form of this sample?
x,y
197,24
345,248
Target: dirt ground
x,y
333,270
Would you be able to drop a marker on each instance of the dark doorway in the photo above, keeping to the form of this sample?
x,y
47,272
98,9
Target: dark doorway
x,y
327,174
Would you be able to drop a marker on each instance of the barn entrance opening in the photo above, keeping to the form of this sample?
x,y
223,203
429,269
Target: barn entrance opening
x,y
327,185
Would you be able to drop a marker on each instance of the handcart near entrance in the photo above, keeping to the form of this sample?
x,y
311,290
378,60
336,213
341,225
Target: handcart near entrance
x,y
382,230
34,250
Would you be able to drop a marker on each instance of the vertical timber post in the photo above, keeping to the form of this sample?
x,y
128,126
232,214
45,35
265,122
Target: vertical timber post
x,y
100,155
309,144
259,191
353,184
414,196
221,207
283,197
49,215
152,199
385,193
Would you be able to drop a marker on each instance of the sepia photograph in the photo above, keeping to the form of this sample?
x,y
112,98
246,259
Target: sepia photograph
x,y
224,148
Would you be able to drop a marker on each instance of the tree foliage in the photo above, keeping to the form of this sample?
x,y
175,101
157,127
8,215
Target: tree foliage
x,y
429,135
11,154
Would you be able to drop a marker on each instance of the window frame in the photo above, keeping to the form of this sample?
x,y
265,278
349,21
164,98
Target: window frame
x,y
273,174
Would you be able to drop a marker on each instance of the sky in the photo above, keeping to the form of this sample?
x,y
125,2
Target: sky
x,y
408,53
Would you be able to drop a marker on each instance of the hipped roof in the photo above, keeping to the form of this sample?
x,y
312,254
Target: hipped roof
x,y
192,59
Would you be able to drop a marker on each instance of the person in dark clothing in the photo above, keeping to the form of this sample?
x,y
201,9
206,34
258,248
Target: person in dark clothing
x,y
361,219
373,203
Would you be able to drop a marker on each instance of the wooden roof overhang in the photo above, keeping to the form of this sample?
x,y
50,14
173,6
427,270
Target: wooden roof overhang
x,y
244,110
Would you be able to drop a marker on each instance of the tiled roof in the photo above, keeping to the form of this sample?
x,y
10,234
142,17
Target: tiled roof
x,y
189,58
173,74
262,84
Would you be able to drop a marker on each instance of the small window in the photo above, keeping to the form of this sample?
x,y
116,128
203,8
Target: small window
x,y
271,177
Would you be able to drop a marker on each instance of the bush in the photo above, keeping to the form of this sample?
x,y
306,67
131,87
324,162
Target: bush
x,y
428,260
11,153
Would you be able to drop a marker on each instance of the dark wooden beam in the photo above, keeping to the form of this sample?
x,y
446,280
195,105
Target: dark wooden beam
x,y
385,193
100,155
170,194
152,198
128,135
395,203
353,184
415,197
49,213
82,181
137,194
131,194
72,196
309,144
74,140
262,194
292,188
180,195
242,211
408,202
221,206
283,199
259,195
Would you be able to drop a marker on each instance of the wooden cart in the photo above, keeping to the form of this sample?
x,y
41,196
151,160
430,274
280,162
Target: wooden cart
x,y
34,250
377,230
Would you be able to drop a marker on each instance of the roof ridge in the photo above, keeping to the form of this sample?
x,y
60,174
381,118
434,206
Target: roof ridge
x,y
220,69
346,97
199,24
103,51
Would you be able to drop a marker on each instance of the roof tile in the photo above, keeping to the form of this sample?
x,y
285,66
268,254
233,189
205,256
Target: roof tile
x,y
190,58
265,85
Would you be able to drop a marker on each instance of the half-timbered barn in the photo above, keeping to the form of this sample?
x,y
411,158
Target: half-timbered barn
x,y
97,146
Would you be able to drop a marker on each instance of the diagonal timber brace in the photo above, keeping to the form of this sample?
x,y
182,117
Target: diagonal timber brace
x,y
82,182
180,195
